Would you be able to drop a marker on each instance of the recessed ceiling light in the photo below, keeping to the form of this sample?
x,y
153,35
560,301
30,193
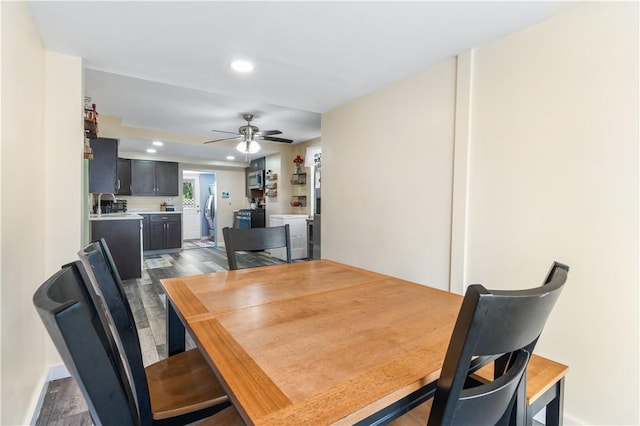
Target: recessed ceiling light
x,y
230,157
242,66
151,151
157,143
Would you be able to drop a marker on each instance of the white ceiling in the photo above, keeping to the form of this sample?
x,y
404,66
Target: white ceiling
x,y
165,65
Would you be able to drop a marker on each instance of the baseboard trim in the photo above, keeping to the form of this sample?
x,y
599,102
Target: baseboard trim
x,y
570,420
58,371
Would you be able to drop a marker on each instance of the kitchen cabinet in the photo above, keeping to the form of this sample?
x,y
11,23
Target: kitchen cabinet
x,y
155,178
103,167
167,178
258,164
143,177
146,226
165,231
123,240
123,186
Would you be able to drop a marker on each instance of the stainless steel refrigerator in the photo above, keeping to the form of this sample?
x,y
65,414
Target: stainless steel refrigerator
x,y
210,214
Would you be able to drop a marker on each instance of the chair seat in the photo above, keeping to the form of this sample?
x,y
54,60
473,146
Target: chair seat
x,y
542,373
227,417
181,384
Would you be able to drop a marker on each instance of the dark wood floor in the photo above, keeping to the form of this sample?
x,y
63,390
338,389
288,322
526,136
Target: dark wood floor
x,y
63,403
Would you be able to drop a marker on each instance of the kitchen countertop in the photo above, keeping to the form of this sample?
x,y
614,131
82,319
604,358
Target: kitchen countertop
x,y
115,216
151,212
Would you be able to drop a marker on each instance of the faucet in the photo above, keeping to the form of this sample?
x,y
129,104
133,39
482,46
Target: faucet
x,y
99,209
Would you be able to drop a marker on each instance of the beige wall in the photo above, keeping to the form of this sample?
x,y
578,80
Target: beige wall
x,y
386,178
282,164
553,110
41,147
554,176
280,203
306,190
546,169
234,182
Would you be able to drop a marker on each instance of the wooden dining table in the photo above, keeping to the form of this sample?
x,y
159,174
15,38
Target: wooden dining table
x,y
314,343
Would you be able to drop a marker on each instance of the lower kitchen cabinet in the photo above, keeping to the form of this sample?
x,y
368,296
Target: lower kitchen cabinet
x,y
123,240
165,231
146,224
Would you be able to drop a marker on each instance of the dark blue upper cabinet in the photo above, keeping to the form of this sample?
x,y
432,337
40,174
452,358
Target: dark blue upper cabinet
x,y
103,168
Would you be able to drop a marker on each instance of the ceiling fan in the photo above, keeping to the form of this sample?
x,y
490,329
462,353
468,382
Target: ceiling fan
x,y
248,134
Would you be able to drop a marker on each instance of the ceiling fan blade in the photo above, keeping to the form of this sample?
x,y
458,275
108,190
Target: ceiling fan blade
x,y
225,139
272,139
224,131
268,132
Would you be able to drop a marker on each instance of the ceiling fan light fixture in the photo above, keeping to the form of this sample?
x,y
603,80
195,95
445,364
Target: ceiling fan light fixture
x,y
242,66
248,147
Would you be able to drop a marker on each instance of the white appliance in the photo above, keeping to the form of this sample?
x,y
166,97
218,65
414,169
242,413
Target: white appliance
x,y
210,213
297,234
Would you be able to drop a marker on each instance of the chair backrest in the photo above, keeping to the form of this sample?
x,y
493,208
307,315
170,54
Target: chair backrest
x,y
555,268
105,280
254,239
82,337
492,324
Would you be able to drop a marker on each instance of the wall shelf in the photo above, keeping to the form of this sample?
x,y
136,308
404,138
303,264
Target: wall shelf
x,y
91,122
299,201
90,129
271,185
298,179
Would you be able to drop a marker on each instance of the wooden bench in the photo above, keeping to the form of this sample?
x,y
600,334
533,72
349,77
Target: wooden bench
x,y
545,388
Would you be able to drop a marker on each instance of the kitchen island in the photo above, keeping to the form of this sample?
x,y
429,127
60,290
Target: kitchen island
x,y
123,234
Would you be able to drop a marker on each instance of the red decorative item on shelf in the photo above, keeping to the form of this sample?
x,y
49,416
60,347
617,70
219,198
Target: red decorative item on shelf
x,y
298,163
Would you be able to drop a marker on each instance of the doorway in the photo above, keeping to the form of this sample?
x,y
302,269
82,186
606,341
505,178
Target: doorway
x,y
199,209
190,207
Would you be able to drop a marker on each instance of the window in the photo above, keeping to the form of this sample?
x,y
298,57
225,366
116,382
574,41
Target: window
x,y
188,194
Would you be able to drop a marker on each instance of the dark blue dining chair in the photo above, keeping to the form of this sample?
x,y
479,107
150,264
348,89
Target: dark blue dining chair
x,y
496,326
80,334
255,239
179,389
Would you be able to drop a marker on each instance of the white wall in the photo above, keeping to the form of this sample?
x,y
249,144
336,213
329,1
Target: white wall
x,y
41,148
547,169
554,176
386,178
